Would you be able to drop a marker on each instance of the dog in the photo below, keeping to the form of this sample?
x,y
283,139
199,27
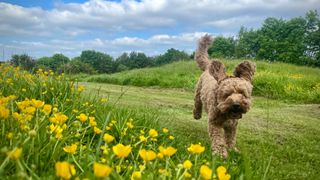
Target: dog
x,y
224,98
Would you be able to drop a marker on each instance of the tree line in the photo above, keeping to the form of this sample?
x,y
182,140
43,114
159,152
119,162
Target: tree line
x,y
296,41
92,62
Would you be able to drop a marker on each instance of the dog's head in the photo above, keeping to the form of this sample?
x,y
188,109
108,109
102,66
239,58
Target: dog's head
x,y
233,93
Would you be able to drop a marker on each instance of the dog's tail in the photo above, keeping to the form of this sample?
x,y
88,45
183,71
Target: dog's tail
x,y
201,55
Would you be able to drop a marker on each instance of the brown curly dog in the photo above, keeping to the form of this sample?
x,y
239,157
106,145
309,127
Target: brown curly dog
x,y
224,98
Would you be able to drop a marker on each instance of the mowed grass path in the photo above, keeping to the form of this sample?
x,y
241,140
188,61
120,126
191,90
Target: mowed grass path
x,y
277,140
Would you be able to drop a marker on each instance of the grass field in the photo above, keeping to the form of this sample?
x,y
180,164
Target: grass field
x,y
278,140
53,128
279,81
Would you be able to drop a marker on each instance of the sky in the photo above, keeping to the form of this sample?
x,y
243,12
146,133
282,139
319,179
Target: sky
x,y
45,27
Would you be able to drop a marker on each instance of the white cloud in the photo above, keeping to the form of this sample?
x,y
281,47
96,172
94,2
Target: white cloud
x,y
153,45
111,25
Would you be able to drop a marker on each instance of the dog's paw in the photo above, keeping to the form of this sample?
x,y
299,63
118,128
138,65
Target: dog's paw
x,y
223,153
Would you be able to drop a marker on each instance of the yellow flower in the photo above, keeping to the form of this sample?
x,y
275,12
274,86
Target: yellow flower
x,y
30,110
47,109
159,155
187,164
142,138
37,103
108,138
222,173
92,121
205,172
171,137
82,117
101,170
130,125
142,167
65,170
187,175
196,149
136,175
58,118
15,115
164,172
97,130
153,133
104,100
15,154
147,155
121,151
4,112
70,149
9,135
23,90
165,130
169,151
81,88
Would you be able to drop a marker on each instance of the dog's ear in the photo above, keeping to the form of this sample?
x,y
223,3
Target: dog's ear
x,y
217,70
245,70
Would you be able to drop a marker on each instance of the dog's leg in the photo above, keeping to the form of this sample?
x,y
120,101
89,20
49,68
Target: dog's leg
x,y
217,141
197,110
230,131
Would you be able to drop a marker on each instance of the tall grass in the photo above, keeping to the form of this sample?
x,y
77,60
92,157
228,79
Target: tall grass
x,y
50,130
273,80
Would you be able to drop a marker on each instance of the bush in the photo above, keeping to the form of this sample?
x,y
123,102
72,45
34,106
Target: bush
x,y
75,67
24,61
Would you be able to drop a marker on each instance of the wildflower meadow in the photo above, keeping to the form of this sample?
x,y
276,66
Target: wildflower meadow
x,y
50,129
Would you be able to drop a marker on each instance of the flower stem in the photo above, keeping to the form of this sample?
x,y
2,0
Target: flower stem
x,y
75,161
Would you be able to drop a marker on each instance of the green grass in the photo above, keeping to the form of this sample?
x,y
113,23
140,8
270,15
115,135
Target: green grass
x,y
34,141
280,81
277,140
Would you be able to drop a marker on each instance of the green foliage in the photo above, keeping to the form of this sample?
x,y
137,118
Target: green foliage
x,y
248,45
23,60
134,60
293,41
222,47
273,80
313,36
171,55
76,66
101,62
53,62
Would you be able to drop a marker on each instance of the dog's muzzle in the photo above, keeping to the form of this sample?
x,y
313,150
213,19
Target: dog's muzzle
x,y
236,111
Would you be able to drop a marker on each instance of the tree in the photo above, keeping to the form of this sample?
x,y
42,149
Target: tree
x,y
133,60
247,45
313,36
53,62
23,60
76,66
170,56
222,47
102,63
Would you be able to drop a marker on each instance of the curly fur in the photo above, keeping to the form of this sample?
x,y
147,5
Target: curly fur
x,y
224,98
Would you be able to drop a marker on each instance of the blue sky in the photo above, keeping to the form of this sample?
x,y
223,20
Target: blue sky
x,y
43,27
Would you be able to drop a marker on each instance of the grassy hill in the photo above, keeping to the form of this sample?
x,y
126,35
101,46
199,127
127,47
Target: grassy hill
x,y
273,80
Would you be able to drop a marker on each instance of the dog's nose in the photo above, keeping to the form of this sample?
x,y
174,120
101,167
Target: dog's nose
x,y
236,106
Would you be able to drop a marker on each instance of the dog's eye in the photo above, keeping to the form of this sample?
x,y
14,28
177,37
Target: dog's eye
x,y
243,93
